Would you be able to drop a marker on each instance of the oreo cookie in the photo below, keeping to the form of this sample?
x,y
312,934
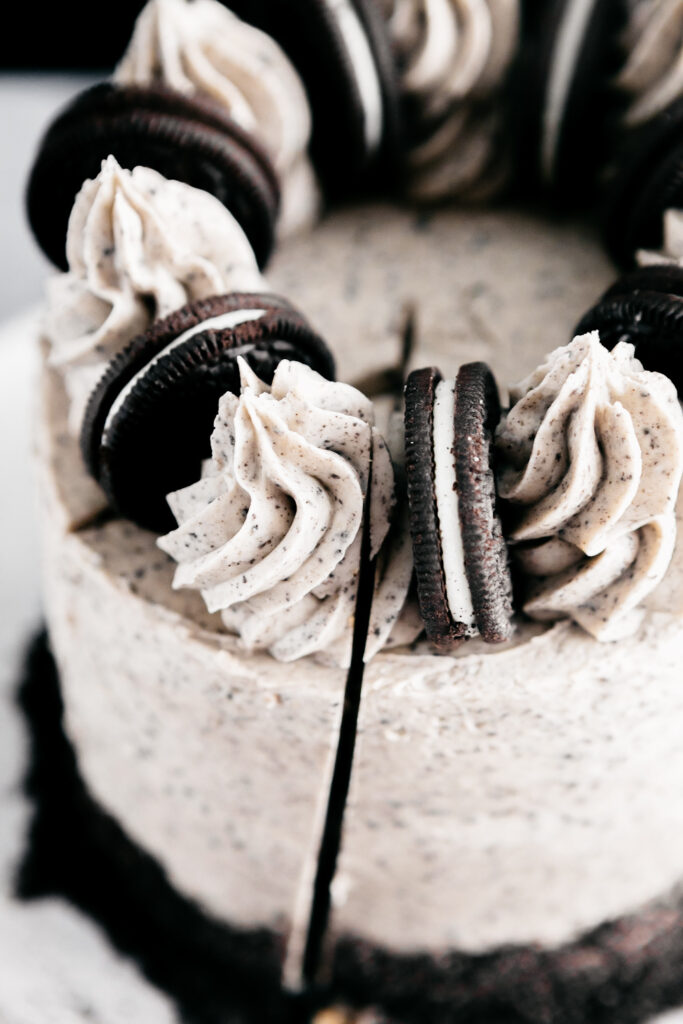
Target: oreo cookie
x,y
188,139
461,562
148,423
561,89
342,52
646,180
644,308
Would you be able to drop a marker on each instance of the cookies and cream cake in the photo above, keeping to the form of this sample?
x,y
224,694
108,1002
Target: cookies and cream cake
x,y
386,684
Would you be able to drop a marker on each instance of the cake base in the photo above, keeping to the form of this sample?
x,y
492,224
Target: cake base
x,y
621,973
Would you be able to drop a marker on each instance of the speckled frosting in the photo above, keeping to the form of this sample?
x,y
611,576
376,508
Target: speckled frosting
x,y
517,795
199,46
591,458
652,75
453,56
271,534
138,247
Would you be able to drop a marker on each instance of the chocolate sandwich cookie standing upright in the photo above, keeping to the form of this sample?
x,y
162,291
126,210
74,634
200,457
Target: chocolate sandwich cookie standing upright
x,y
341,50
562,95
147,426
460,555
189,139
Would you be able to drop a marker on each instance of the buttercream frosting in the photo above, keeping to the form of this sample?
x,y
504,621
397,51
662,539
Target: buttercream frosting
x,y
652,73
271,533
138,247
454,55
672,242
591,459
199,46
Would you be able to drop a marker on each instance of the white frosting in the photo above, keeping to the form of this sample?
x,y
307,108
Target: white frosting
x,y
271,533
364,69
672,245
455,54
445,488
652,74
138,246
568,41
199,46
525,793
592,455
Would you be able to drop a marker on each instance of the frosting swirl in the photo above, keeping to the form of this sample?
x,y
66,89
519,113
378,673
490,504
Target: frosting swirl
x,y
454,55
591,456
672,246
202,47
652,74
138,247
271,533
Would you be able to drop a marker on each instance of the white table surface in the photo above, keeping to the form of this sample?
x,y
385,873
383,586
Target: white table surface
x,y
56,966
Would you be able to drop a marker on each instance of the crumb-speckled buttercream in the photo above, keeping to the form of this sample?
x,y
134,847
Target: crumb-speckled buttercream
x,y
652,73
202,47
271,533
453,55
138,247
591,459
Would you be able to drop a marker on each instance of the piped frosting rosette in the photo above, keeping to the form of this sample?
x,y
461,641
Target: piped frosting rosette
x,y
652,74
201,47
271,533
453,57
591,457
138,247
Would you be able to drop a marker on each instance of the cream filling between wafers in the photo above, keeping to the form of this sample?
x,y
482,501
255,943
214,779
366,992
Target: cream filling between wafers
x,y
566,51
363,65
458,591
225,321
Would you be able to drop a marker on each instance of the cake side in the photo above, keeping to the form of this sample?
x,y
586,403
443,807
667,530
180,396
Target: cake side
x,y
214,762
462,776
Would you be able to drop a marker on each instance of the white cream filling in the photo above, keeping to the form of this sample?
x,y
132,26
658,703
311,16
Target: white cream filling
x,y
225,321
570,36
364,69
452,551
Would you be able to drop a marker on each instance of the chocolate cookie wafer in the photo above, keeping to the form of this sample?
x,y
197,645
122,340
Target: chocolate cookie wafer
x,y
189,139
461,566
148,422
645,308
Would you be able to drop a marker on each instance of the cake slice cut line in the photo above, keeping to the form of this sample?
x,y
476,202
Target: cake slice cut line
x,y
306,972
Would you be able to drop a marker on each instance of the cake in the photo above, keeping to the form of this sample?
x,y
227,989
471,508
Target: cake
x,y
502,841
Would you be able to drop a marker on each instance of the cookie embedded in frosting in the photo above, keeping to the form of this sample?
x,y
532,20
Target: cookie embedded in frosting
x,y
271,533
201,47
463,580
591,456
138,247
